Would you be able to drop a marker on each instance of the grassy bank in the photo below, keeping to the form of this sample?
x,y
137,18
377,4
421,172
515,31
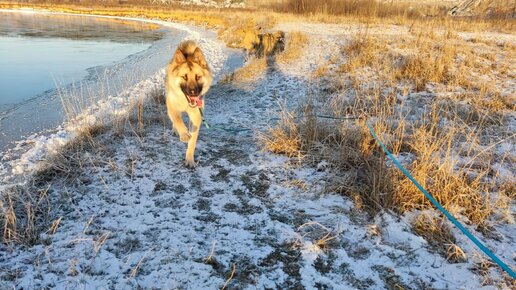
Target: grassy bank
x,y
441,102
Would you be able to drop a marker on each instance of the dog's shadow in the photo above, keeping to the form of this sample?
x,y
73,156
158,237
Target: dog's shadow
x,y
239,104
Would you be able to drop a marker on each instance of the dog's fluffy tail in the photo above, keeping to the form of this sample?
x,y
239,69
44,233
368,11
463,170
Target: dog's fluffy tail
x,y
187,47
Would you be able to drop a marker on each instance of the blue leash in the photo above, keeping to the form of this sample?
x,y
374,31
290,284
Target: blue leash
x,y
237,130
214,127
407,174
443,210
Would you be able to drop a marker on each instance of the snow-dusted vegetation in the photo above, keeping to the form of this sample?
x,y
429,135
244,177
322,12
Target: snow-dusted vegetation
x,y
282,198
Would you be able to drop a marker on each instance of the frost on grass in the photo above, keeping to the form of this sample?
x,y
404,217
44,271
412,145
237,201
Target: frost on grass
x,y
129,215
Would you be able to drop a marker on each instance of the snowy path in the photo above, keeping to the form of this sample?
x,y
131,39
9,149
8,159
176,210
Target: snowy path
x,y
139,218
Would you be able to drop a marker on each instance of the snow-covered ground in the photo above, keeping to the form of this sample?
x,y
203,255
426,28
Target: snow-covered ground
x,y
137,218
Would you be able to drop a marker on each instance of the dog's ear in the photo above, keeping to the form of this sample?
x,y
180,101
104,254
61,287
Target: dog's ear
x,y
198,58
179,57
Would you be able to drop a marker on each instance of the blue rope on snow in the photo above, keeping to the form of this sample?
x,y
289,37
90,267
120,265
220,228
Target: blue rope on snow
x,y
405,171
215,127
443,210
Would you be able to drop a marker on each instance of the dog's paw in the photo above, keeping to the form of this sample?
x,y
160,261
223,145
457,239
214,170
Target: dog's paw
x,y
190,163
175,132
185,137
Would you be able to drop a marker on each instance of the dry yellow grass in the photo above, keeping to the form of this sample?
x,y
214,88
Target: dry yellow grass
x,y
225,18
442,176
362,51
378,74
22,209
436,231
301,135
284,138
429,59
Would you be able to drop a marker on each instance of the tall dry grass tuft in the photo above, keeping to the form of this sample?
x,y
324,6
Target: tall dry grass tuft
x,y
364,174
431,63
438,170
437,232
283,138
23,210
362,51
349,149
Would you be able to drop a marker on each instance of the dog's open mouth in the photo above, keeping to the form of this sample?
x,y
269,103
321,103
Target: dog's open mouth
x,y
194,100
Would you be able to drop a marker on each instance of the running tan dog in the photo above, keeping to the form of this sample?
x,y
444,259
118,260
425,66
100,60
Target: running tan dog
x,y
188,80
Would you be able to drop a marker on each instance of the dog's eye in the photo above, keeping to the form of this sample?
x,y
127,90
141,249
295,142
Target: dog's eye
x,y
185,77
197,77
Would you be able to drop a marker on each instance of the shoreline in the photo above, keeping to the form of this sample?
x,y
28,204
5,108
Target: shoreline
x,y
91,78
20,160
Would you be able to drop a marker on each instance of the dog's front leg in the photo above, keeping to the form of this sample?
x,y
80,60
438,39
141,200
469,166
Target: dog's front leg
x,y
195,120
177,122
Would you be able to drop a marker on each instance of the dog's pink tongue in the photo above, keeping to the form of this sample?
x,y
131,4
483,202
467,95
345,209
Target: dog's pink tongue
x,y
197,100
